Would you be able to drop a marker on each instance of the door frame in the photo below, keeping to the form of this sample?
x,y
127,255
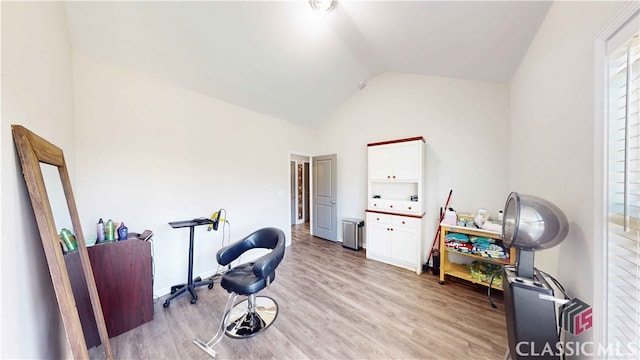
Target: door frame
x,y
308,158
292,188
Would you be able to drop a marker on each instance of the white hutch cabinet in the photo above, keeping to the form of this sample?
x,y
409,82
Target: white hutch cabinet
x,y
395,210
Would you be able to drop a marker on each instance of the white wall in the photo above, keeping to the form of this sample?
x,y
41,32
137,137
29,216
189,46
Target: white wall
x,y
552,134
463,122
36,93
149,152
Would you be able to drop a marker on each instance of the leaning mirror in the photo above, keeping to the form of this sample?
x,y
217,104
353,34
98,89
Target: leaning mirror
x,y
55,194
34,151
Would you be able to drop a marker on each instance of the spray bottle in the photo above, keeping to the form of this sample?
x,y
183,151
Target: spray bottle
x,y
68,240
110,231
100,229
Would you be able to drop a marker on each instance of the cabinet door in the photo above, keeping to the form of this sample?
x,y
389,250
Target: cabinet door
x,y
378,239
405,159
379,162
403,244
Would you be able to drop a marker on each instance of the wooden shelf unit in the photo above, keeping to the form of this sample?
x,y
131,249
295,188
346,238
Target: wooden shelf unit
x,y
458,270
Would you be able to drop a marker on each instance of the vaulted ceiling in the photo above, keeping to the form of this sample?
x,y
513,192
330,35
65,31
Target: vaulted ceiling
x,y
283,59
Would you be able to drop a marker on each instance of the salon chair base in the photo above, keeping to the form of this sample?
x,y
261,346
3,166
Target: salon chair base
x,y
205,347
243,321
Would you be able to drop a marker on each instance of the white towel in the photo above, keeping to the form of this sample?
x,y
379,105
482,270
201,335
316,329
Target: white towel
x,y
489,226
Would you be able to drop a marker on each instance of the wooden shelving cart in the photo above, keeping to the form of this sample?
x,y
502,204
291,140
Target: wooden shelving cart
x,y
459,270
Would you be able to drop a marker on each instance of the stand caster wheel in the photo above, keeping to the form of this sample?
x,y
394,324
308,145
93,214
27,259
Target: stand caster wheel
x,y
193,301
210,286
440,282
166,304
173,290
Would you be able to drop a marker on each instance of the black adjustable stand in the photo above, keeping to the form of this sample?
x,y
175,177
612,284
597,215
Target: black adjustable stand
x,y
192,283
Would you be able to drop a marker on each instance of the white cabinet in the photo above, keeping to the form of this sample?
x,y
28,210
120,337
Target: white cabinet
x,y
379,163
404,239
404,160
395,161
377,242
393,239
403,245
395,209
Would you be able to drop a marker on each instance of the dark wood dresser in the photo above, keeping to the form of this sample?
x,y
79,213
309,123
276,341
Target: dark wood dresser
x,y
123,275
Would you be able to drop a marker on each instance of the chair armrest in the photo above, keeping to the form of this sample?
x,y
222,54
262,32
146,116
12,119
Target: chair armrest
x,y
231,252
266,264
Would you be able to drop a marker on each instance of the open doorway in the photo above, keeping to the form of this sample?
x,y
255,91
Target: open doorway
x,y
314,194
300,191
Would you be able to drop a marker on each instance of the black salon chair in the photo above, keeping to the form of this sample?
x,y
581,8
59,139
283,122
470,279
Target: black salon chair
x,y
255,313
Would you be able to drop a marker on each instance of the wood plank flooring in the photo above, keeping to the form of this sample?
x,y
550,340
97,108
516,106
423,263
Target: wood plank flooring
x,y
334,304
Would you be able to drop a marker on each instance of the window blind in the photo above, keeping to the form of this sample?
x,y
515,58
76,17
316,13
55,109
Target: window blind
x,y
623,235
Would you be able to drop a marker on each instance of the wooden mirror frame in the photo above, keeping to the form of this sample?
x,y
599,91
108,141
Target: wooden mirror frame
x,y
34,150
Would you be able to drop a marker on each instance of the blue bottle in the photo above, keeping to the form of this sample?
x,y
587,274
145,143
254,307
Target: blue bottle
x,y
123,232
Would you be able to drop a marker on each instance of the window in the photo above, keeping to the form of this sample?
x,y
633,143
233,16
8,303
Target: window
x,y
623,192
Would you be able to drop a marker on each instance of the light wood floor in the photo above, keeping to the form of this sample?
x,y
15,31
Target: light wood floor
x,y
334,304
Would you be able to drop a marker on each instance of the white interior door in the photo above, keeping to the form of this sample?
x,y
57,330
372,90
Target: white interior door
x,y
325,179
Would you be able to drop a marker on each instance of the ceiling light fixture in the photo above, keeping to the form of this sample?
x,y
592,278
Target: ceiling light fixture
x,y
323,6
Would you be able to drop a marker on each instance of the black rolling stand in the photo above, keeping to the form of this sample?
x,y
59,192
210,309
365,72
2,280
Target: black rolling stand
x,y
192,283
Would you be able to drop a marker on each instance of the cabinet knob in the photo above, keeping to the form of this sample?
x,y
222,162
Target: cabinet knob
x,y
394,176
391,229
391,206
377,219
402,222
388,177
374,204
409,207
